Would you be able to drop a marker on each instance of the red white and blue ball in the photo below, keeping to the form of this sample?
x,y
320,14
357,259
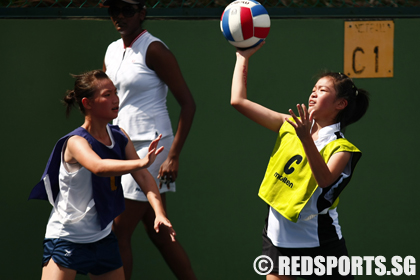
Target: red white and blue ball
x,y
245,23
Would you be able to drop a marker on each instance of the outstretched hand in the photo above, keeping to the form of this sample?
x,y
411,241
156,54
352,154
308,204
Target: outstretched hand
x,y
153,151
163,221
302,124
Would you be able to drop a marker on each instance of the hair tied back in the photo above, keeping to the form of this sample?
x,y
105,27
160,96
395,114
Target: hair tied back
x,y
357,91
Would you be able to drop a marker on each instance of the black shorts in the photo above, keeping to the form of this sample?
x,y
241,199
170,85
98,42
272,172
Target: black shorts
x,y
334,248
96,258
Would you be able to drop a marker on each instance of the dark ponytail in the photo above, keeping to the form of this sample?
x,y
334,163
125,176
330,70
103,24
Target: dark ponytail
x,y
69,100
84,86
357,99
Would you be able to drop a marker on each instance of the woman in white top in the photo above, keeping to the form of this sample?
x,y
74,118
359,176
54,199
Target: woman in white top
x,y
143,68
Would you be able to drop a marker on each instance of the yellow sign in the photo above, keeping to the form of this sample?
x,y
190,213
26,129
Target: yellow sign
x,y
369,49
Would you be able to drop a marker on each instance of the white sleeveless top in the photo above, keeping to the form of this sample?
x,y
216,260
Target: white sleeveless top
x,y
74,217
143,113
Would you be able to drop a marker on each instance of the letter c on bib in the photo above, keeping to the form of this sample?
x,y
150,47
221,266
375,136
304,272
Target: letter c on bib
x,y
287,168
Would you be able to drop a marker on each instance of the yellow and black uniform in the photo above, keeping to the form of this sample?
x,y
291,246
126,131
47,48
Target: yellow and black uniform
x,y
303,218
288,183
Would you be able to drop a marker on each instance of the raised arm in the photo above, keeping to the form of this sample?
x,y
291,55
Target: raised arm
x,y
260,114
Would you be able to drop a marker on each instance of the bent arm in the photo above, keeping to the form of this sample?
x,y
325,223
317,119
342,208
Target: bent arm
x,y
325,174
259,114
163,62
79,150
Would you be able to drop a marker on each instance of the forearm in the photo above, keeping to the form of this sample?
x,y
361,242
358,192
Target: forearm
x,y
184,126
148,185
239,100
111,167
155,201
239,81
320,169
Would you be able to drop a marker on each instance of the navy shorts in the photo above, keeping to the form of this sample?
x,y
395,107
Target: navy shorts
x,y
335,248
96,258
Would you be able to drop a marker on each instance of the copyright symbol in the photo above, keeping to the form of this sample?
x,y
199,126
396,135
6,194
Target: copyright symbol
x,y
263,265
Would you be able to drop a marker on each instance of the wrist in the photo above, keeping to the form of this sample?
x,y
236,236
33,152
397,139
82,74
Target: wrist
x,y
240,57
160,214
174,157
142,163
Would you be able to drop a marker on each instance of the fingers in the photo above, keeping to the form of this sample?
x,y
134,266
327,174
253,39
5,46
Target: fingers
x,y
172,233
159,150
301,123
168,224
166,176
303,113
250,51
158,138
166,179
155,142
151,151
294,117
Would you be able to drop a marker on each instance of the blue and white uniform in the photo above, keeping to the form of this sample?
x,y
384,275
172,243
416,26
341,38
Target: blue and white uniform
x,y
84,205
78,234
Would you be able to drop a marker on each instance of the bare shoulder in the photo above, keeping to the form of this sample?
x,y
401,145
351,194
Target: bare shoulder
x,y
75,144
158,54
76,140
157,47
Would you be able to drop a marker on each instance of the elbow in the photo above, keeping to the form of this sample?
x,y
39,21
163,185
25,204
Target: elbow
x,y
101,174
188,107
193,107
322,186
325,184
235,102
238,105
99,171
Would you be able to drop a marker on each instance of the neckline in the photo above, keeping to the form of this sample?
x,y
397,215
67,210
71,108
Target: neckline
x,y
135,39
108,129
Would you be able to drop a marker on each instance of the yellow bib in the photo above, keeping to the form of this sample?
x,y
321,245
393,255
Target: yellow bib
x,y
288,183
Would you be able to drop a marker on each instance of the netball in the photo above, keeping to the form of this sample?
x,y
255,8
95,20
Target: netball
x,y
245,23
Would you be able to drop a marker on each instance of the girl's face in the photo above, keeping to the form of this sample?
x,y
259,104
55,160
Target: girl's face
x,y
323,100
126,17
105,103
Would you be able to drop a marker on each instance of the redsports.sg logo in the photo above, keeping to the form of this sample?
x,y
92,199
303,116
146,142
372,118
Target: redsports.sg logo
x,y
355,265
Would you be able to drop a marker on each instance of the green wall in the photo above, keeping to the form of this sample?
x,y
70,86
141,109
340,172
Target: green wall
x,y
216,212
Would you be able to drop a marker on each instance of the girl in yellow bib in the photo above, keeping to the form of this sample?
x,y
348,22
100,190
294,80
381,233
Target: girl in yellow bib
x,y
310,165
